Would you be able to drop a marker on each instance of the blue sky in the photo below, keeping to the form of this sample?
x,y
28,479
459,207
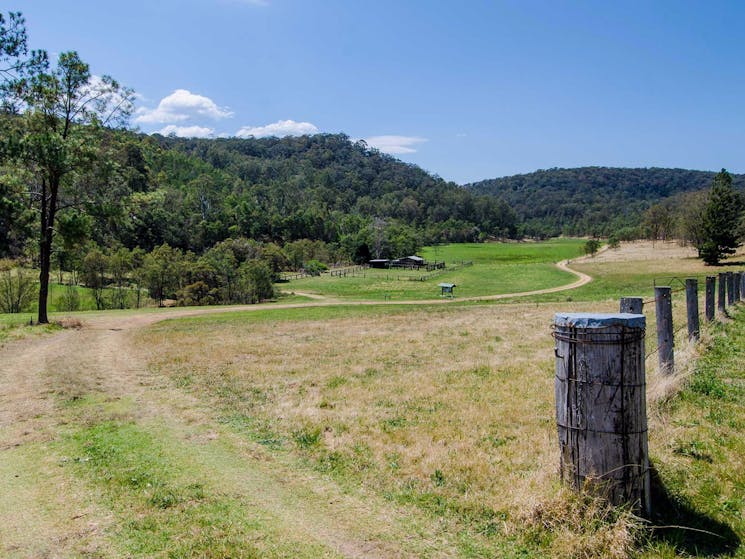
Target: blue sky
x,y
468,90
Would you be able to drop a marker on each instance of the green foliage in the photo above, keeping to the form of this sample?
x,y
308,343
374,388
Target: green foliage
x,y
627,233
690,208
16,288
69,300
120,265
51,125
194,194
15,216
95,265
160,272
198,293
255,282
658,222
301,251
307,437
590,200
591,247
314,268
721,220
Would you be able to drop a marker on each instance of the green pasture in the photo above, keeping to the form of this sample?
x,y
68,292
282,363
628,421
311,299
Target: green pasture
x,y
497,268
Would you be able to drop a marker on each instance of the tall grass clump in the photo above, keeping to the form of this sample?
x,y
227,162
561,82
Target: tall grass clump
x,y
582,525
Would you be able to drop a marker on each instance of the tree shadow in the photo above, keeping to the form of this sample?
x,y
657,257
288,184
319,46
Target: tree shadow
x,y
676,522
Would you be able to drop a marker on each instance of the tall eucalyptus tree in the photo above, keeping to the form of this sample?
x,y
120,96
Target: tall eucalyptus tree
x,y
55,116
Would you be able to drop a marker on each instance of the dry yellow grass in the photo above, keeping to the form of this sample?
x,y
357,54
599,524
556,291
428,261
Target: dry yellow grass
x,y
464,392
418,406
453,401
636,251
659,256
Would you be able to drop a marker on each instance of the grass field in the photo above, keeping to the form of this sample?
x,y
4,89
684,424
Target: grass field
x,y
634,269
372,430
497,268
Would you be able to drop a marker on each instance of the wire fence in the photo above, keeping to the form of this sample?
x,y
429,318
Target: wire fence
x,y
671,281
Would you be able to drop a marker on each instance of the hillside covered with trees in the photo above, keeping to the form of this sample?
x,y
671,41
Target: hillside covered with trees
x,y
216,221
592,200
144,191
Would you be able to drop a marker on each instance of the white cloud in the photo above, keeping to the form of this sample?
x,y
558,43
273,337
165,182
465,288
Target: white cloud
x,y
107,98
187,131
280,128
179,106
395,144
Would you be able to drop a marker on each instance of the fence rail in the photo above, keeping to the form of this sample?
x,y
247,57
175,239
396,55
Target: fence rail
x,y
343,272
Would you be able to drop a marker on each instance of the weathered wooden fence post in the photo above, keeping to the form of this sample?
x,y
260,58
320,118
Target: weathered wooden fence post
x,y
601,405
710,287
737,279
694,328
664,311
632,305
730,289
722,292
742,286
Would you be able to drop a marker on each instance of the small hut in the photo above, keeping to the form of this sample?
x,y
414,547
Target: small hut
x,y
447,289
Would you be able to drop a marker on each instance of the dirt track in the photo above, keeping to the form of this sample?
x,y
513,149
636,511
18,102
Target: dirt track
x,y
47,515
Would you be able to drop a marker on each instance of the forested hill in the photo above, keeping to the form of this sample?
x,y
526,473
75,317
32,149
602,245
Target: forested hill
x,y
193,193
590,200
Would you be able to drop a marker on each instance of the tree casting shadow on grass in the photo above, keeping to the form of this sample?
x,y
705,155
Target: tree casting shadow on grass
x,y
675,522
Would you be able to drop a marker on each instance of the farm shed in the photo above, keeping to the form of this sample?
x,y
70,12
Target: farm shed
x,y
380,263
409,262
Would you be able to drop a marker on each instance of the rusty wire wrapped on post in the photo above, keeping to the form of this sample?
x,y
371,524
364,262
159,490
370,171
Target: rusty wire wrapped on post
x,y
601,405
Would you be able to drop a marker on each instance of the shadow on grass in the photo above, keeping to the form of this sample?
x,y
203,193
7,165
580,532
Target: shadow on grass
x,y
675,522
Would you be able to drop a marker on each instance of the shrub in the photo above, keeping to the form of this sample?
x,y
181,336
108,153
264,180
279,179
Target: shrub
x,y
254,282
69,300
592,246
197,293
16,288
627,234
314,268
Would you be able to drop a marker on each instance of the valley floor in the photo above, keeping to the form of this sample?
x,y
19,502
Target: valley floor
x,y
326,430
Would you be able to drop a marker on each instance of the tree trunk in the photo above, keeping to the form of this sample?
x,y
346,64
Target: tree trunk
x,y
45,253
45,243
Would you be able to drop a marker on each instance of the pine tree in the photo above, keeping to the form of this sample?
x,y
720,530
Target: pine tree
x,y
721,220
